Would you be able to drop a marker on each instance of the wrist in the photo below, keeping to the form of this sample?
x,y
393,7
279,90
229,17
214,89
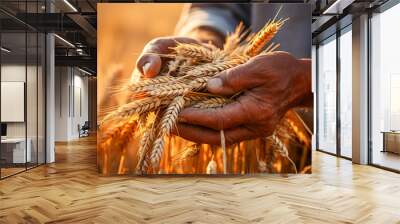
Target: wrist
x,y
206,35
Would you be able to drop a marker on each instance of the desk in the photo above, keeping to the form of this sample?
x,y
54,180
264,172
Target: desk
x,y
13,150
391,141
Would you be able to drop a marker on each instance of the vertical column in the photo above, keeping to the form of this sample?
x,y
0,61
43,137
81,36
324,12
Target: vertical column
x,y
314,88
360,90
50,92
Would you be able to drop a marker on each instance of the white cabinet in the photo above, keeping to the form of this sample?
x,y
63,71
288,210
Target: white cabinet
x,y
17,148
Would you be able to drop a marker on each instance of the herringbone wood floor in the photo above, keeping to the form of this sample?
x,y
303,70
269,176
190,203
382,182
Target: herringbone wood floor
x,y
71,191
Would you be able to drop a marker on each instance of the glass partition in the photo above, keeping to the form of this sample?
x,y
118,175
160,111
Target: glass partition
x,y
22,91
14,153
326,94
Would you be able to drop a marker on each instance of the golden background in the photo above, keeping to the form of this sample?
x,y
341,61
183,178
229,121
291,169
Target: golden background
x,y
123,31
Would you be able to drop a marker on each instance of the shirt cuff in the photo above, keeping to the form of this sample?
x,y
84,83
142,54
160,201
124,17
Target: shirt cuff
x,y
219,19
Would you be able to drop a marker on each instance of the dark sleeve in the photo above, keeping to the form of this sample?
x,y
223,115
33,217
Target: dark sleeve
x,y
223,17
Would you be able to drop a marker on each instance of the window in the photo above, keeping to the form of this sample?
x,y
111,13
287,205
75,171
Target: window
x,y
327,95
385,89
346,92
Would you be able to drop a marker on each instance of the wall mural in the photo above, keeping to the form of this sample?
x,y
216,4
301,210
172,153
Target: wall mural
x,y
204,88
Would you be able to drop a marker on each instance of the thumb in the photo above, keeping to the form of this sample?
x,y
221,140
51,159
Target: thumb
x,y
149,65
234,80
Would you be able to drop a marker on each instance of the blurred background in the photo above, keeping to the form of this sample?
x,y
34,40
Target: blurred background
x,y
123,31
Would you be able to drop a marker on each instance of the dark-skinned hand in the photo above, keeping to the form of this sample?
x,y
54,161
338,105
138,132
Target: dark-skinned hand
x,y
269,85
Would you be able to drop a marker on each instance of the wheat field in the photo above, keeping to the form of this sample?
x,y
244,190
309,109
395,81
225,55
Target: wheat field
x,y
144,129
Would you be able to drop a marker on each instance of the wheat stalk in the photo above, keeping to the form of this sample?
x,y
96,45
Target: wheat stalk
x,y
182,84
223,147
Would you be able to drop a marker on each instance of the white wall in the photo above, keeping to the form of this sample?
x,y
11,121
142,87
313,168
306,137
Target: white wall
x,y
71,103
16,73
33,127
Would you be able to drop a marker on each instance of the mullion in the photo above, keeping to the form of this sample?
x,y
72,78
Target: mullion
x,y
0,95
37,90
338,95
26,87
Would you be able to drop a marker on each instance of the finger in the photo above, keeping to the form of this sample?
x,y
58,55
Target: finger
x,y
236,79
209,136
229,116
239,134
149,65
197,134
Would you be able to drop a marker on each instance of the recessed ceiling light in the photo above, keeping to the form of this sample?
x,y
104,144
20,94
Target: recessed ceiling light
x,y
5,50
70,5
84,71
338,6
65,41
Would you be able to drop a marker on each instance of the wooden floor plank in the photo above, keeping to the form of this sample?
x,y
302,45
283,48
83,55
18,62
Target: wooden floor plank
x,y
71,191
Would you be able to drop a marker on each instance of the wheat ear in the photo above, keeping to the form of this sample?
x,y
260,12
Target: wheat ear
x,y
189,152
137,86
283,151
137,107
214,102
264,36
119,136
233,40
145,145
194,51
165,127
210,69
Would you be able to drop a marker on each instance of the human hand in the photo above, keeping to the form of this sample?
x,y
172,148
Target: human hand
x,y
149,63
270,84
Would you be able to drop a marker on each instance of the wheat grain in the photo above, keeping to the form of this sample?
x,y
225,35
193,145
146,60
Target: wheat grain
x,y
214,102
194,51
165,127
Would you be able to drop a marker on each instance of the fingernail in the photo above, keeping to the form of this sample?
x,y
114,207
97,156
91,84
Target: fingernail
x,y
146,67
214,83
